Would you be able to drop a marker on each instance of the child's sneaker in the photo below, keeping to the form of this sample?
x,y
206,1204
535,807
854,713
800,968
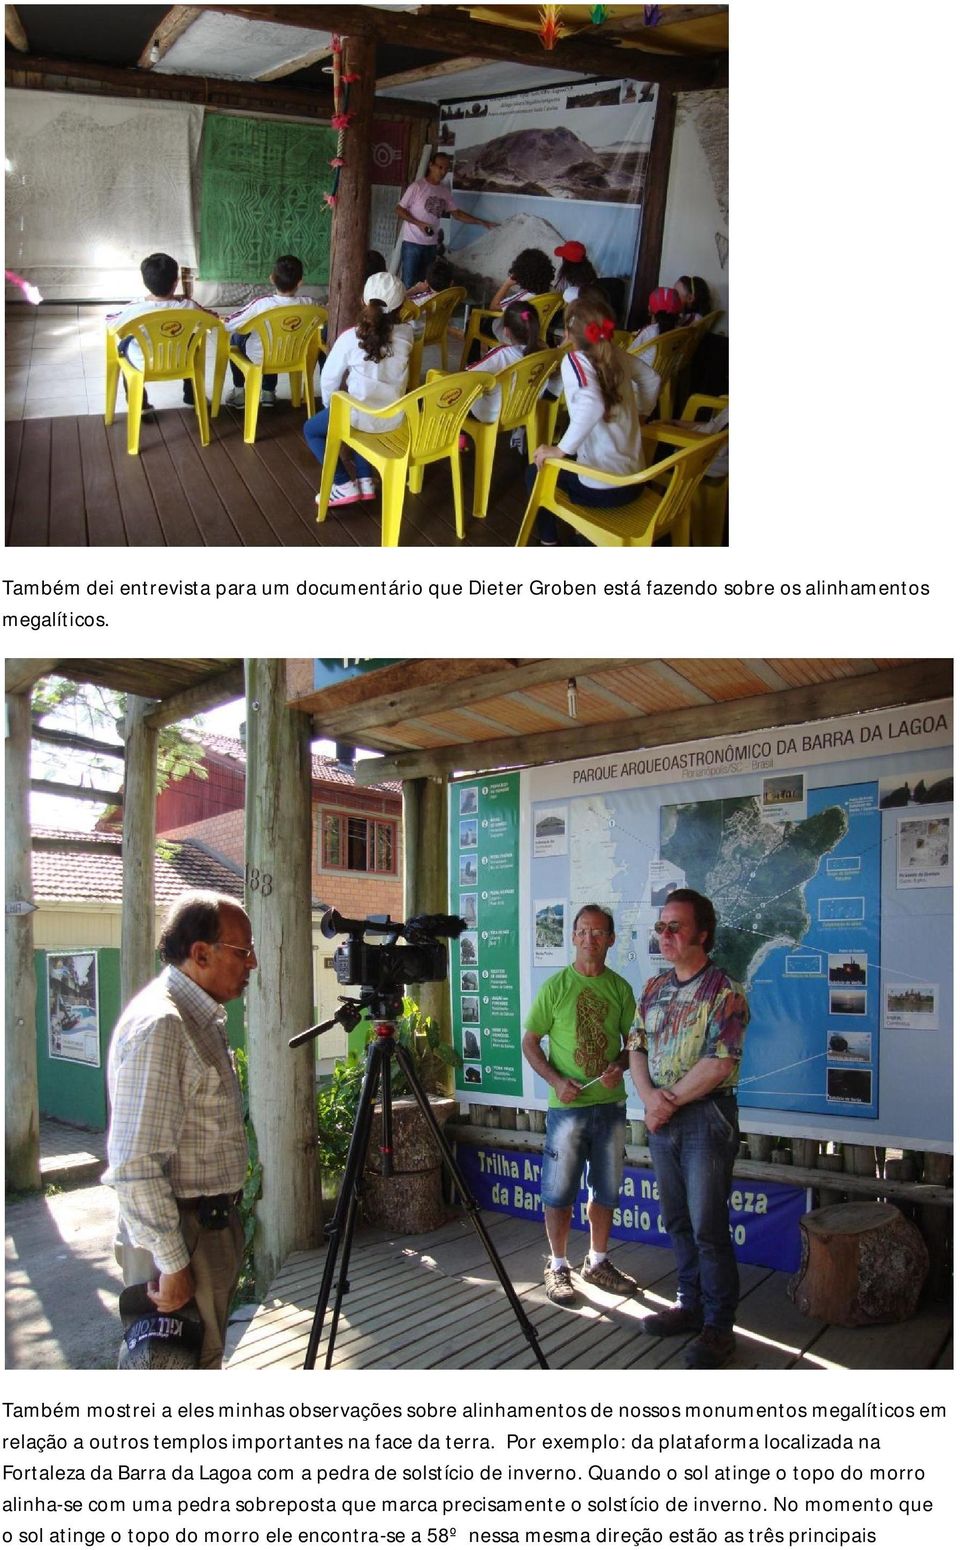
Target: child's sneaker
x,y
368,490
235,399
267,398
344,494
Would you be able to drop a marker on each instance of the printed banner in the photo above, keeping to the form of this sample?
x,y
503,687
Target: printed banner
x,y
73,1015
485,962
565,163
764,1217
263,188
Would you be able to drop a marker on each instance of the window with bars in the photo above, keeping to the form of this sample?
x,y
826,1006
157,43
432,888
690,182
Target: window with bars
x,y
352,844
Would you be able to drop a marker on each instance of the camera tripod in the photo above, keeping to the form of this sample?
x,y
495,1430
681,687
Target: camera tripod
x,y
381,1051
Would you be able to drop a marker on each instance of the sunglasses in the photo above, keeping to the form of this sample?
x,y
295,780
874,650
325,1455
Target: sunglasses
x,y
671,927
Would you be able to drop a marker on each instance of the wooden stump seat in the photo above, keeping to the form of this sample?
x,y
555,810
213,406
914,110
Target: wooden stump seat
x,y
861,1263
409,1200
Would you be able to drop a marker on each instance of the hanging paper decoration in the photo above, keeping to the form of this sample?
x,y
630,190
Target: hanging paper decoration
x,y
652,16
598,14
342,117
551,28
30,292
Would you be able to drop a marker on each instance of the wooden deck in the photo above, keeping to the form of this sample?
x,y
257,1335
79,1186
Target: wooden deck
x,y
70,481
435,1302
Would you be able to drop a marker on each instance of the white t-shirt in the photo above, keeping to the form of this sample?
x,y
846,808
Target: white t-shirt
x,y
613,445
254,310
373,382
139,309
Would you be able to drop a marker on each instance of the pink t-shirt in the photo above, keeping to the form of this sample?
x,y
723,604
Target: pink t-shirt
x,y
429,202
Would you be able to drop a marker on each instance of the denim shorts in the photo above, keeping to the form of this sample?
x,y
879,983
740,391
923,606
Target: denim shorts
x,y
593,1135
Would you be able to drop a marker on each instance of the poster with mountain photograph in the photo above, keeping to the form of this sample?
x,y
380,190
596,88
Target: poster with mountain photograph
x,y
566,163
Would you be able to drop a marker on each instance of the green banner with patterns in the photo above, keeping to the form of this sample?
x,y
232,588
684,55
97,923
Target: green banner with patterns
x,y
262,195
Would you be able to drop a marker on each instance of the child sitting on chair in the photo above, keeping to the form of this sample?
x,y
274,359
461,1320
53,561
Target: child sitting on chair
x,y
604,429
160,273
438,278
521,336
665,308
372,362
576,273
286,279
531,274
694,296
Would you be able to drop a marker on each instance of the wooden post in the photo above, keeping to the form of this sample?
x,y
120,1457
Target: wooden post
x,y
655,188
425,876
936,1226
138,910
351,214
280,995
22,1144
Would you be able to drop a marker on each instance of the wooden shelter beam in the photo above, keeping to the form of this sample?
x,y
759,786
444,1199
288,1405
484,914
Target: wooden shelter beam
x,y
655,188
280,994
138,907
22,1116
21,673
351,213
104,847
218,690
59,788
446,30
438,70
482,680
172,27
425,878
302,62
76,741
914,682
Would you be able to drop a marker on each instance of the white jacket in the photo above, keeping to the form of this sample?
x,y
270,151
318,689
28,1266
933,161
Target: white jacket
x,y
374,382
487,406
253,310
612,445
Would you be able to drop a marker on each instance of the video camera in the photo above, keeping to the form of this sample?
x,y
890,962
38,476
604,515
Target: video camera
x,y
387,965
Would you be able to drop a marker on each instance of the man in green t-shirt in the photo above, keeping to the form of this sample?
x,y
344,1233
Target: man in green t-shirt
x,y
585,1011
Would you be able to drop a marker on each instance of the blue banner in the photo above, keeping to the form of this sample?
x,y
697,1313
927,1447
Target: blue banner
x,y
764,1217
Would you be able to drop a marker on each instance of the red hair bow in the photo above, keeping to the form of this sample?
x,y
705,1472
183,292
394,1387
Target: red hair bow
x,y
595,331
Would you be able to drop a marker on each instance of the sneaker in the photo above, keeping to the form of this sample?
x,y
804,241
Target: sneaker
x,y
343,494
676,1320
267,399
559,1286
712,1348
188,394
235,399
608,1278
368,489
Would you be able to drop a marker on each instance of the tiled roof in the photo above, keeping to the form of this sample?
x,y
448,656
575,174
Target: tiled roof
x,y
82,874
323,767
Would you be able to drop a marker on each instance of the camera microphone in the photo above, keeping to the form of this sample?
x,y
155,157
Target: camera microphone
x,y
434,925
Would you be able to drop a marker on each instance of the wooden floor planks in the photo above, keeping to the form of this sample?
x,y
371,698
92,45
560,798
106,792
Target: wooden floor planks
x,y
434,1301
71,482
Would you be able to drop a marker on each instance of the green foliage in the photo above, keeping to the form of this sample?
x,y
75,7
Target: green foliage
x,y
336,1108
252,1184
433,1059
98,711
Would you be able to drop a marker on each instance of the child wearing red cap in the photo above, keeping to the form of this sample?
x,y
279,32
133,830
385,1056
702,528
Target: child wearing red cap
x,y
576,271
665,309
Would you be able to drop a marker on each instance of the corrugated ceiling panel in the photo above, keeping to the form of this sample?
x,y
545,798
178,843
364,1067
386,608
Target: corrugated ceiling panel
x,y
591,707
645,689
821,670
723,678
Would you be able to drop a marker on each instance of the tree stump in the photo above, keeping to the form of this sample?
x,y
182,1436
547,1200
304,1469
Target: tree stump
x,y
411,1198
861,1263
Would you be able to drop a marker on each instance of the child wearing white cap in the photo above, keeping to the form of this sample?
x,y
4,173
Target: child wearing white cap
x,y
372,362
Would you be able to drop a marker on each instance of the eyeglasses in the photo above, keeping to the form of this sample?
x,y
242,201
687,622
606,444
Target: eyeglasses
x,y
246,953
672,927
585,931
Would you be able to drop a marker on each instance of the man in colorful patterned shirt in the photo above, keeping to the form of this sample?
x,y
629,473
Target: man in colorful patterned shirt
x,y
585,1011
177,1146
685,1049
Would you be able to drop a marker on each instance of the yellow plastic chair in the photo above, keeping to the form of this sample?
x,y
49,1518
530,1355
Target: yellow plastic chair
x,y
479,326
708,509
433,419
662,504
520,405
668,354
435,315
290,338
173,342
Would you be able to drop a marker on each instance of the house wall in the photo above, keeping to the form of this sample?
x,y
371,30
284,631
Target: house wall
x,y
192,799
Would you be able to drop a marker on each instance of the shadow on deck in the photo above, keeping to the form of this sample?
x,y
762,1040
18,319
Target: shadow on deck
x,y
434,1301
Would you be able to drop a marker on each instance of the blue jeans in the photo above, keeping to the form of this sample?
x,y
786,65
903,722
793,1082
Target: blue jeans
x,y
593,1134
584,494
269,379
415,260
693,1158
315,435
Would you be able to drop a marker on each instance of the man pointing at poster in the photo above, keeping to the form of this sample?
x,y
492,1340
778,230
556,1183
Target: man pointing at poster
x,y
584,1011
422,207
685,1049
